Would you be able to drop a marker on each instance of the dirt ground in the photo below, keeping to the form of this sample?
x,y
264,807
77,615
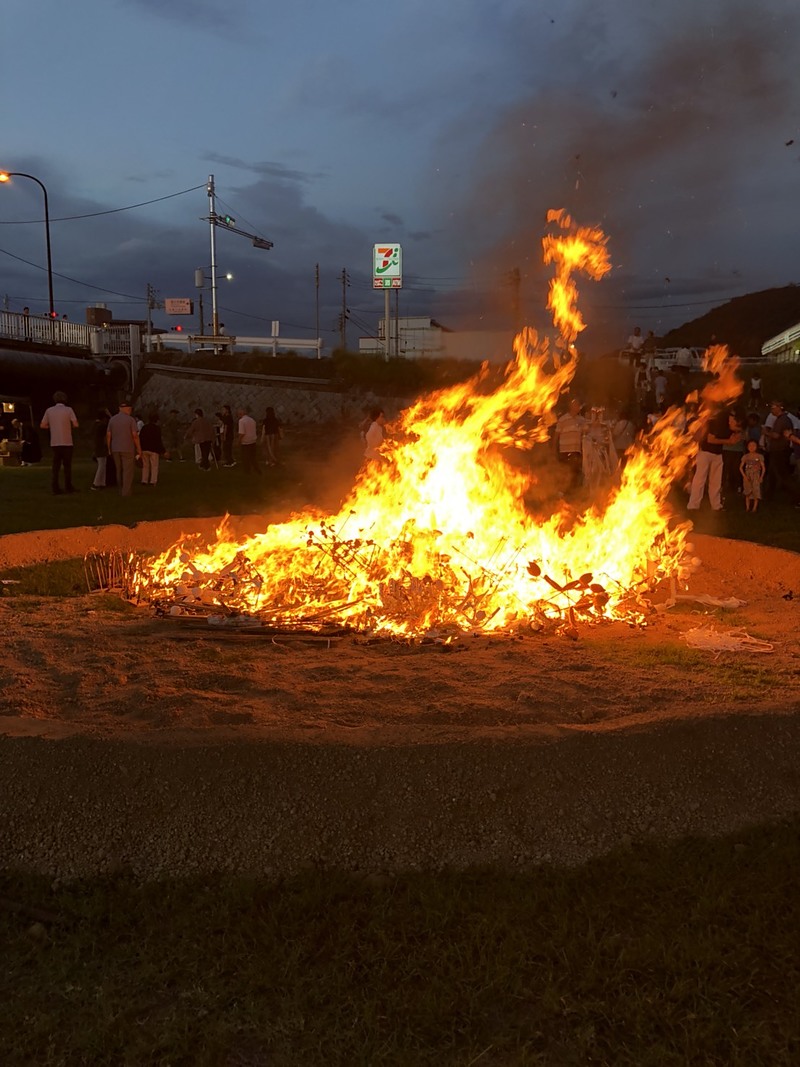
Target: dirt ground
x,y
164,746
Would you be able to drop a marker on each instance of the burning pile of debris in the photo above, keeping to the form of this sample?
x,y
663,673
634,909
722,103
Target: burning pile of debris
x,y
446,600
435,536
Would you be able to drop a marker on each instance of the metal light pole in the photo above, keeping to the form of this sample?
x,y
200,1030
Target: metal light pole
x,y
212,213
4,177
227,223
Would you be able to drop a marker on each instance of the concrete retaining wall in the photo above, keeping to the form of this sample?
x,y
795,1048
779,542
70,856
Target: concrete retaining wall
x,y
293,403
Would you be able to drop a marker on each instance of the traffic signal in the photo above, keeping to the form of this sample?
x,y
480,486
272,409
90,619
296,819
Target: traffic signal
x,y
228,220
178,329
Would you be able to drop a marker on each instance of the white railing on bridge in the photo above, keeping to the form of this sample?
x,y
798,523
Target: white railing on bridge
x,y
94,340
41,329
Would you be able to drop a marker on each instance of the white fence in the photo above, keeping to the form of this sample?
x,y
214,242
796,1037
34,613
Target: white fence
x,y
41,329
94,340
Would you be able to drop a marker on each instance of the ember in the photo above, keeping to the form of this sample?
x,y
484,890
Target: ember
x,y
436,536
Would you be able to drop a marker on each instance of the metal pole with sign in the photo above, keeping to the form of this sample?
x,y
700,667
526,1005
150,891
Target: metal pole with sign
x,y
387,274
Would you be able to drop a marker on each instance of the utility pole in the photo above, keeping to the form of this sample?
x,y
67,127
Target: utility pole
x,y
227,223
345,283
316,288
153,301
397,322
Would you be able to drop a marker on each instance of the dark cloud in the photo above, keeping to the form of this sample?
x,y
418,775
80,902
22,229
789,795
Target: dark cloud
x,y
163,244
392,219
278,171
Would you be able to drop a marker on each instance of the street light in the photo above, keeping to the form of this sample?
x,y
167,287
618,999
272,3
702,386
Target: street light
x,y
200,279
6,175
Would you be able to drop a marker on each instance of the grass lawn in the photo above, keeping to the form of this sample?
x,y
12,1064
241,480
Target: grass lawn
x,y
26,502
182,490
651,957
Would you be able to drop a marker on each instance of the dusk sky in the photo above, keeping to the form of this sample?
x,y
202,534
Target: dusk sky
x,y
451,126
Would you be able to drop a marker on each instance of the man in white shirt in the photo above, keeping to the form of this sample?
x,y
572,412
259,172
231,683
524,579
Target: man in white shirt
x,y
60,420
569,433
635,342
248,442
373,438
683,362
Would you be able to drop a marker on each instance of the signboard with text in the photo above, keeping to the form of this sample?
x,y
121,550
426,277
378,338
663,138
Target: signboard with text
x,y
387,267
179,306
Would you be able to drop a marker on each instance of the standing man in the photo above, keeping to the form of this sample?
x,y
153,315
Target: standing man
x,y
636,342
569,433
122,439
777,431
201,434
248,442
60,420
226,418
683,362
373,438
723,429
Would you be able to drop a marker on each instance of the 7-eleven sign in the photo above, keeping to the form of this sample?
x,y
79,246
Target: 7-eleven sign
x,y
387,267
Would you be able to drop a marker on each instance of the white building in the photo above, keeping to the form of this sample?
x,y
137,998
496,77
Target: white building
x,y
421,337
784,347
413,337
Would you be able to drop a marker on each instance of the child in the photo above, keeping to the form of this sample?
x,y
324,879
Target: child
x,y
752,469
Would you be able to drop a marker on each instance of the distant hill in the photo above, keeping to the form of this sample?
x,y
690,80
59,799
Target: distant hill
x,y
744,323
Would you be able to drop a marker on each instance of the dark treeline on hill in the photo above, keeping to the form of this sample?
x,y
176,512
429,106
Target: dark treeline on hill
x,y
743,324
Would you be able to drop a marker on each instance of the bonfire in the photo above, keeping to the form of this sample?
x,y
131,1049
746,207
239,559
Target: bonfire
x,y
435,537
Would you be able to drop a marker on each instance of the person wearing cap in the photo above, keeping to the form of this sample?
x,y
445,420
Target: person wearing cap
x,y
122,438
60,420
777,430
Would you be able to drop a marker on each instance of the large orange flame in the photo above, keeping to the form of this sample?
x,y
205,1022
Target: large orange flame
x,y
436,535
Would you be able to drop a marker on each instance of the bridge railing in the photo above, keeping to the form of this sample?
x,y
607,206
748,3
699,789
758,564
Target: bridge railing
x,y
41,329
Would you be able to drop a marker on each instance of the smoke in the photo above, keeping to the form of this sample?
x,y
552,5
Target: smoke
x,y
668,128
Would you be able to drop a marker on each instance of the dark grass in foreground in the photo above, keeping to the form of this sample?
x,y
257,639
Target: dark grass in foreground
x,y
656,955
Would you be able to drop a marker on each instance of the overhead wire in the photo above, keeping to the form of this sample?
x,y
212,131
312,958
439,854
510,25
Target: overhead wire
x,y
424,283
75,281
96,214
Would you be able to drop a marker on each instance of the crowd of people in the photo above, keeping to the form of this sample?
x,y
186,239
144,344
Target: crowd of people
x,y
124,443
750,451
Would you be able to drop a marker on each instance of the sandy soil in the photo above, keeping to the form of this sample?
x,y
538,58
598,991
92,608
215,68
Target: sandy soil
x,y
181,749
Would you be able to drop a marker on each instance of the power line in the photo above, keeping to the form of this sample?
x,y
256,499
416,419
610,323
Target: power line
x,y
75,281
95,214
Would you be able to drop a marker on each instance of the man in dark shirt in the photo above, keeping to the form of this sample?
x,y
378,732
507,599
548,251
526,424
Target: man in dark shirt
x,y
201,433
228,433
722,430
779,450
